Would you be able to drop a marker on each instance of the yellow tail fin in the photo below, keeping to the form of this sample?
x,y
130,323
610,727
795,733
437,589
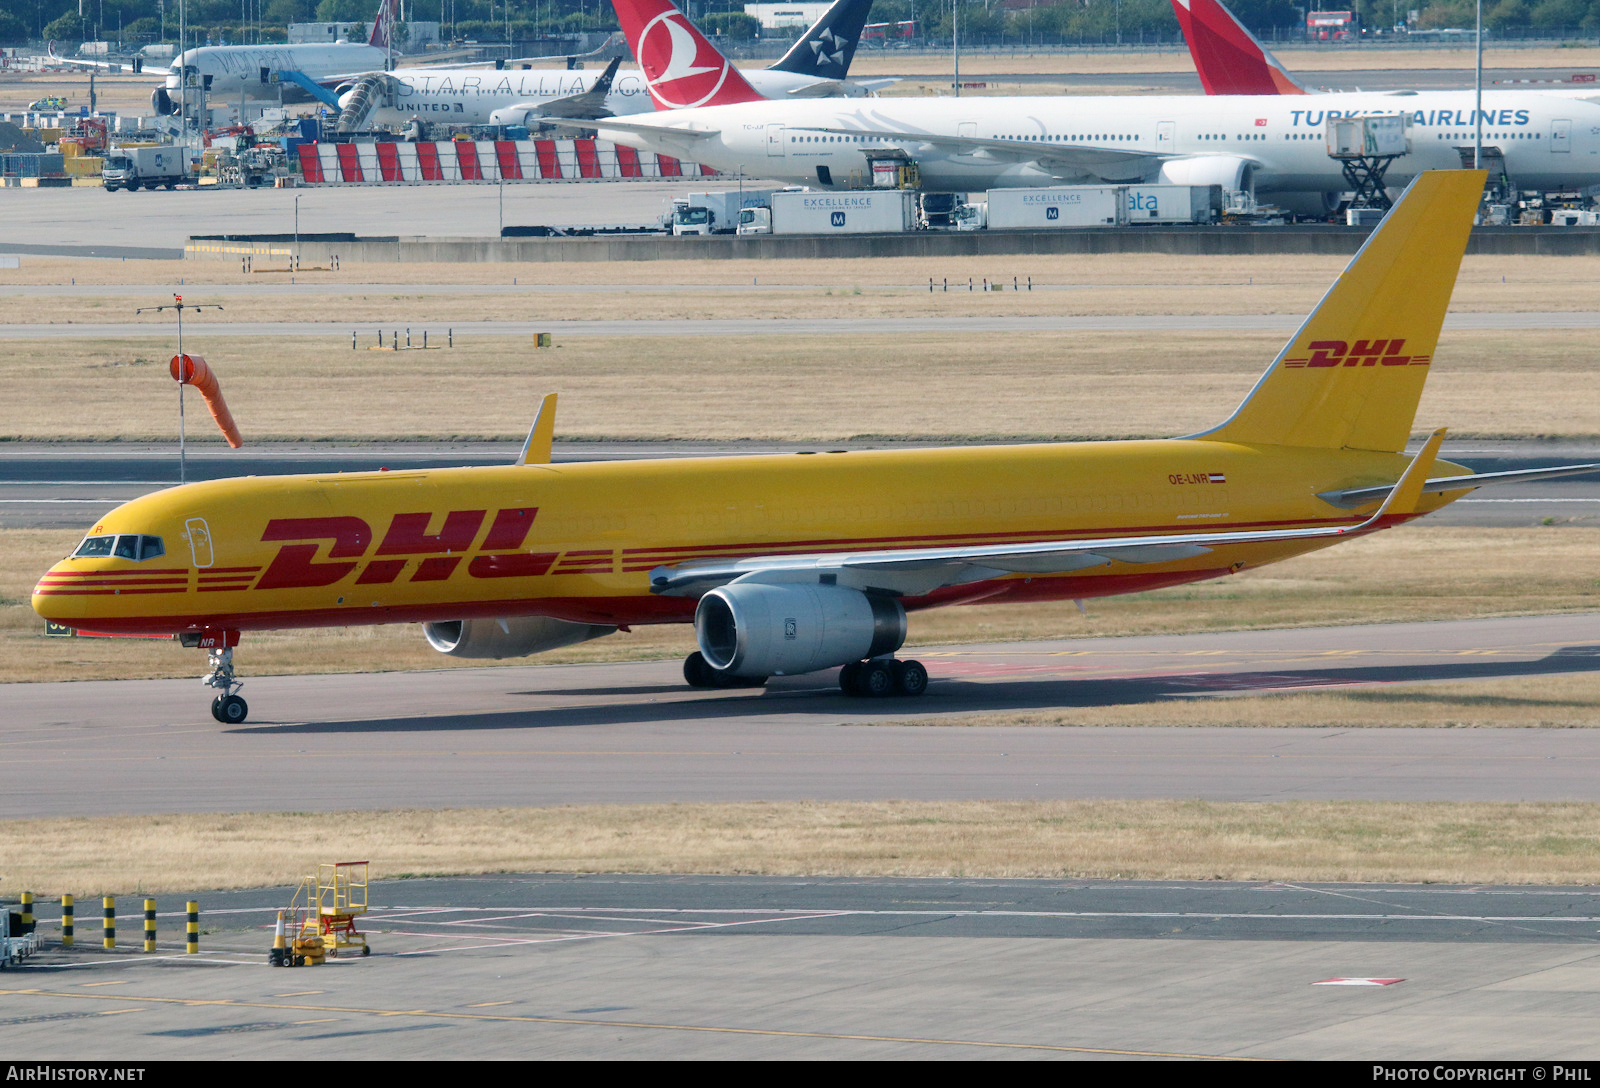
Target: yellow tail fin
x,y
1352,376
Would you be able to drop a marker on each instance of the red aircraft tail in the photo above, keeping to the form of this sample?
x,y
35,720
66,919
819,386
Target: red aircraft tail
x,y
681,68
382,25
1227,56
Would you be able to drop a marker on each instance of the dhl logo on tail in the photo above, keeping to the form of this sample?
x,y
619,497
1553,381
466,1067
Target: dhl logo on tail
x,y
1364,353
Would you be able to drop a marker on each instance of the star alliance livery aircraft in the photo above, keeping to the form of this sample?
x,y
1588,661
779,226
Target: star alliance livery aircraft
x,y
1274,144
794,563
817,65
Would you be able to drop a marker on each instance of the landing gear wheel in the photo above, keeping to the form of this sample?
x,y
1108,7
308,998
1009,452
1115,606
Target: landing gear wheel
x,y
230,709
850,678
876,680
697,673
365,951
910,678
216,708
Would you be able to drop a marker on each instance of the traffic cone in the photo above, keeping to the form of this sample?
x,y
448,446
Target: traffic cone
x,y
279,956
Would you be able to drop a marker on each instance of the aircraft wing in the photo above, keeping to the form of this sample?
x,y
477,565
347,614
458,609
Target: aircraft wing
x,y
642,127
1110,163
1353,497
915,571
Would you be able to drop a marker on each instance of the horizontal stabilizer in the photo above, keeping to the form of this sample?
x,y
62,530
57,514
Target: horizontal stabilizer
x,y
1354,497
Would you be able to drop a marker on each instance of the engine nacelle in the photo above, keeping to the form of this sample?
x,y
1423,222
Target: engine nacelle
x,y
516,636
162,102
525,115
755,629
1228,171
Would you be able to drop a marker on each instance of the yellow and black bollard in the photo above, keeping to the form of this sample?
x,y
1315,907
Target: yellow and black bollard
x,y
192,937
109,905
27,912
149,925
66,921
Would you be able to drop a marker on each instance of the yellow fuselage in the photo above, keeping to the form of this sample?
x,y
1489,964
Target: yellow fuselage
x,y
578,541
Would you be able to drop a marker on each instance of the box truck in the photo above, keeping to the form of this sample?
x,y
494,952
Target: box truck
x,y
866,211
1058,206
715,213
134,167
1174,203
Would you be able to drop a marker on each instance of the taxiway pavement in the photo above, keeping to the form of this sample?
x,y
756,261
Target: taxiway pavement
x,y
738,967
633,732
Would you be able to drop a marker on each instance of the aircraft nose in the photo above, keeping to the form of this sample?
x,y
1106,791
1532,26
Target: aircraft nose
x,y
53,601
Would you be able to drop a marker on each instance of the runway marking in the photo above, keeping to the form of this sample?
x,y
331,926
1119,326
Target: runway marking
x,y
643,1025
801,914
1358,982
694,927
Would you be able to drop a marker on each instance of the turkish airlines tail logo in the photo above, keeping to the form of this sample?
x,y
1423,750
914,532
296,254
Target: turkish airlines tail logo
x,y
383,25
1227,56
681,68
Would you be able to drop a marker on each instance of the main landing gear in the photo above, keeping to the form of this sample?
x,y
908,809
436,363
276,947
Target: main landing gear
x,y
870,679
883,676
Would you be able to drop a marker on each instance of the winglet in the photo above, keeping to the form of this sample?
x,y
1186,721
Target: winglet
x,y
1403,499
536,450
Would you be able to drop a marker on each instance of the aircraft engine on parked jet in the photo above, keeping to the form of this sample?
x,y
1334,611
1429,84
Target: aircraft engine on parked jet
x,y
516,636
755,629
1228,171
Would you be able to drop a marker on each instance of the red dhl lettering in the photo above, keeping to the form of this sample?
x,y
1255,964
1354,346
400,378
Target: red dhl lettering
x,y
296,565
1324,353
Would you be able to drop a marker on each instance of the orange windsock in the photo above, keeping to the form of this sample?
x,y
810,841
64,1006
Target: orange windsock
x,y
192,370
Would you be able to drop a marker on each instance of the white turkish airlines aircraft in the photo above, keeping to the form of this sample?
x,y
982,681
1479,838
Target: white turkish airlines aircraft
x,y
817,65
231,72
1273,143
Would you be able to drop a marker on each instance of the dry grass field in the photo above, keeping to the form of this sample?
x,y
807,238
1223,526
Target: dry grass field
x,y
1393,576
993,385
1118,283
1132,840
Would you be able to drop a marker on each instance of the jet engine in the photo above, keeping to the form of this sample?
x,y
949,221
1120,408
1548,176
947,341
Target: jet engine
x,y
1228,171
754,629
162,102
515,636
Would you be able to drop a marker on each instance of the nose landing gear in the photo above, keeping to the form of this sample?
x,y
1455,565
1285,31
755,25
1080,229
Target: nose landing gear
x,y
227,707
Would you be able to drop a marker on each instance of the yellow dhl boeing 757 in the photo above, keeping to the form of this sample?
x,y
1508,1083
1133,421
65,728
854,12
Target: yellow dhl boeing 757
x,y
795,563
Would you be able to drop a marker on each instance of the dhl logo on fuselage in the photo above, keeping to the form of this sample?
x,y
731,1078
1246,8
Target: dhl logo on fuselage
x,y
1362,353
436,555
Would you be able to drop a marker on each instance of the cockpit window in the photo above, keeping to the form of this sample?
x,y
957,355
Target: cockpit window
x,y
127,546
95,545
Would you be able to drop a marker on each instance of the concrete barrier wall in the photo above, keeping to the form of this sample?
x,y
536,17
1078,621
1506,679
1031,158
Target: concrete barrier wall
x,y
1201,241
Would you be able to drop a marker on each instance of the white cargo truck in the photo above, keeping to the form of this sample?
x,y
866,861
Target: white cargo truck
x,y
715,213
1058,206
1174,203
866,211
133,168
